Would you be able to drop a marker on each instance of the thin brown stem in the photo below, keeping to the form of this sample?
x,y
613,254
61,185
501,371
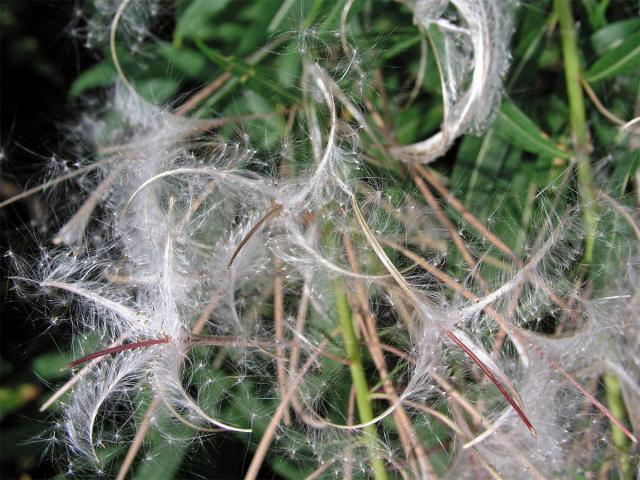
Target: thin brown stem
x,y
73,230
388,127
405,429
216,84
459,399
119,348
73,380
317,473
204,317
621,210
419,236
464,212
450,227
492,377
516,335
482,229
278,319
146,421
203,94
267,437
598,104
141,433
273,211
53,182
301,318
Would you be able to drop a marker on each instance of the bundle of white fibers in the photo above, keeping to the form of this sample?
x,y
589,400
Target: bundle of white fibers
x,y
472,58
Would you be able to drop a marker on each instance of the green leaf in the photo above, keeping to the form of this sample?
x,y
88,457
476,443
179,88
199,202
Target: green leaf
x,y
157,90
625,166
289,65
100,75
186,60
269,131
255,77
287,469
517,128
554,114
197,20
412,125
227,32
255,34
164,462
280,14
550,57
49,366
12,399
596,12
624,58
478,162
400,47
613,34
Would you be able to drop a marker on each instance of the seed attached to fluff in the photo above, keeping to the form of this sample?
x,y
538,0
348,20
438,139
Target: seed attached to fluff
x,y
117,349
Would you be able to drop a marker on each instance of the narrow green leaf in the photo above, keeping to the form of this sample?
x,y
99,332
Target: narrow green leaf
x,y
476,166
399,47
513,125
187,61
255,33
197,19
624,58
163,463
287,469
613,34
157,90
280,14
100,75
48,366
251,75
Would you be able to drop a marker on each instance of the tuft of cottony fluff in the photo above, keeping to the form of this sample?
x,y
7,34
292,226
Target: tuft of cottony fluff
x,y
92,22
471,44
96,402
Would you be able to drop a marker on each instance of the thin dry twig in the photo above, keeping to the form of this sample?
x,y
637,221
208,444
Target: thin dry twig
x,y
407,434
598,104
75,378
453,232
141,433
267,437
482,229
272,212
216,84
278,319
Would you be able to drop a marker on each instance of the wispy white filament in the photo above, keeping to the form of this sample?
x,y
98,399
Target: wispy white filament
x,y
472,57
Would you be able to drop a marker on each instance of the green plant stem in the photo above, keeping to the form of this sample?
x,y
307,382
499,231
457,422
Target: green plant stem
x,y
580,137
578,122
616,405
363,399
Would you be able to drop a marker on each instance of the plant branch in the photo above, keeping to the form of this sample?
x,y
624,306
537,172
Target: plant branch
x,y
359,379
581,144
577,118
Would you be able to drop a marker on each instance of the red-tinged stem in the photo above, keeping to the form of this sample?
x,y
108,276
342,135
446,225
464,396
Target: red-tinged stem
x,y
198,340
594,401
274,210
119,348
492,377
